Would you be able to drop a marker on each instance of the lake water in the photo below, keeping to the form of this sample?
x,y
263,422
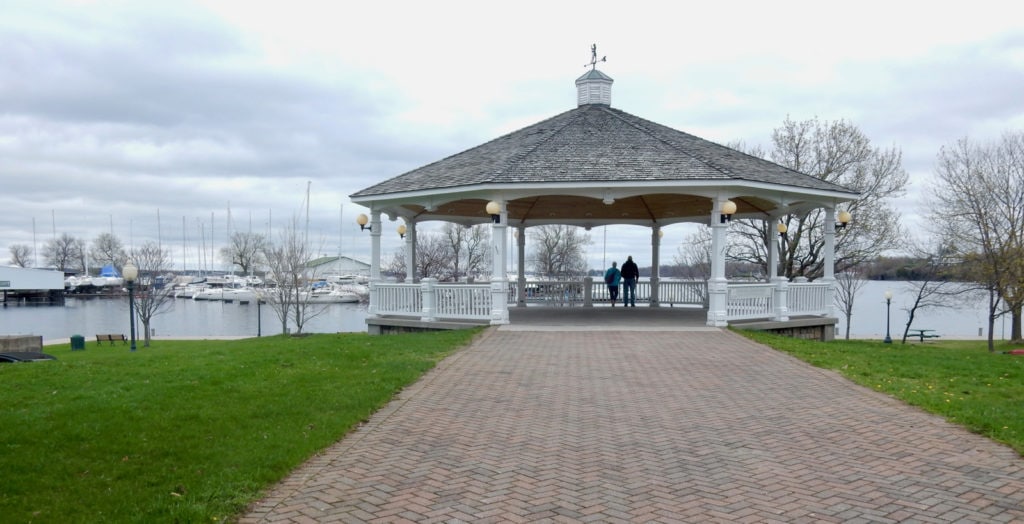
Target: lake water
x,y
89,316
960,322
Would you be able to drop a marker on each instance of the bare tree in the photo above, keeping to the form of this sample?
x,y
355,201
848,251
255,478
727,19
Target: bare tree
x,y
937,284
432,258
150,299
467,248
693,257
840,153
108,249
847,284
288,267
558,251
395,266
447,255
66,253
978,198
283,287
244,250
21,255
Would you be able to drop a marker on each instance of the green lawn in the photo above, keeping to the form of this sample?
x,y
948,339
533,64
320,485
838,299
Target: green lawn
x,y
188,431
959,380
194,431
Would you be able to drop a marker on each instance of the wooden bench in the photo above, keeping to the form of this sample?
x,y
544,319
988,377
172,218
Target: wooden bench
x,y
111,338
922,334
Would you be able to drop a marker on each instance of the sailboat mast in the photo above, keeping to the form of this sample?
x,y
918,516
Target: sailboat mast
x,y
204,269
227,234
35,249
305,239
184,246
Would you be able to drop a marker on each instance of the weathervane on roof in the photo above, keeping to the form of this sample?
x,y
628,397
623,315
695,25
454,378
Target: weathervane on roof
x,y
593,57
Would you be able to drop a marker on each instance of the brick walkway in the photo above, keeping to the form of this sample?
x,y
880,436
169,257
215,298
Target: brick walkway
x,y
630,426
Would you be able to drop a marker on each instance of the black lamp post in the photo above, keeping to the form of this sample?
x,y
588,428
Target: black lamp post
x,y
131,273
888,304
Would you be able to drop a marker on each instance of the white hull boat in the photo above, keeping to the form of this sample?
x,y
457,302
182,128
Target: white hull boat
x,y
332,297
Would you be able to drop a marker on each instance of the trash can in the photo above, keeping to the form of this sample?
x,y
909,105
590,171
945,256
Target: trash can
x,y
77,342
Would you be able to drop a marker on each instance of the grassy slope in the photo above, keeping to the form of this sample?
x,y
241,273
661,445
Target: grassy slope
x,y
188,430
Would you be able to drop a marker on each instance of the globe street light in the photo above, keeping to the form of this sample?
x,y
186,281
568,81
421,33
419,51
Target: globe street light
x,y
888,304
131,273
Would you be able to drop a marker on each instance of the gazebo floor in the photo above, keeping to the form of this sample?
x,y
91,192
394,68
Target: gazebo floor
x,y
605,318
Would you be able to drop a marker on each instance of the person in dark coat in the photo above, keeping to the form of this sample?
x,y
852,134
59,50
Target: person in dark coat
x,y
630,274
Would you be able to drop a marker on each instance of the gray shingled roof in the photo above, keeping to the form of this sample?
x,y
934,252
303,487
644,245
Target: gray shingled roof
x,y
595,143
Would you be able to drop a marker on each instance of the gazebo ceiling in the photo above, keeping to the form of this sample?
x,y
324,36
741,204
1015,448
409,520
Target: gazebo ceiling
x,y
646,209
597,165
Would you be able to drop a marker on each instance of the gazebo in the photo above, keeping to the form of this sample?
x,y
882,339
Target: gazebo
x,y
591,166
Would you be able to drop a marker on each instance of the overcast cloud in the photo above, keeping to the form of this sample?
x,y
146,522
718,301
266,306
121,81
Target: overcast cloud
x,y
111,111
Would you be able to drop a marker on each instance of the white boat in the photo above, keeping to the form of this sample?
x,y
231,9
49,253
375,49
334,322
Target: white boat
x,y
347,279
188,290
233,294
209,293
242,294
330,296
224,288
108,277
357,289
107,281
72,283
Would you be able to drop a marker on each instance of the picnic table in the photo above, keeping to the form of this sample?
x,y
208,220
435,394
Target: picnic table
x,y
922,334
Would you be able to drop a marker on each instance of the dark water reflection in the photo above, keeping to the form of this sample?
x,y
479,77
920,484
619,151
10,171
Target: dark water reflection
x,y
89,316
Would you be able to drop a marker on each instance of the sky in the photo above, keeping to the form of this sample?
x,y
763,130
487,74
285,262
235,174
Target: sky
x,y
181,121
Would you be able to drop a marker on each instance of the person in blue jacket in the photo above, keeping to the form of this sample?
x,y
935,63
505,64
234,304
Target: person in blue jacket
x,y
611,277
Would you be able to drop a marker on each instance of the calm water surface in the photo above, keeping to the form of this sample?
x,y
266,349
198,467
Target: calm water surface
x,y
960,321
89,316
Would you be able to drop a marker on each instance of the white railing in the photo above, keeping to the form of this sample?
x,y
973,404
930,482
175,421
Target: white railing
x,y
430,300
601,294
398,299
573,292
463,301
685,292
811,298
750,301
551,292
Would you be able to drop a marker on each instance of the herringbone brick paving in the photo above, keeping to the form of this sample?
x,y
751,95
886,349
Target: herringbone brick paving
x,y
645,426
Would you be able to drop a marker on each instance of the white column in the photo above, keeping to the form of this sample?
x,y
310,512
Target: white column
x,y
429,313
780,294
830,244
829,269
375,225
718,285
521,277
655,265
499,271
375,245
410,251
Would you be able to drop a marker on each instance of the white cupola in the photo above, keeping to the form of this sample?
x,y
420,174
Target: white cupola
x,y
594,87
